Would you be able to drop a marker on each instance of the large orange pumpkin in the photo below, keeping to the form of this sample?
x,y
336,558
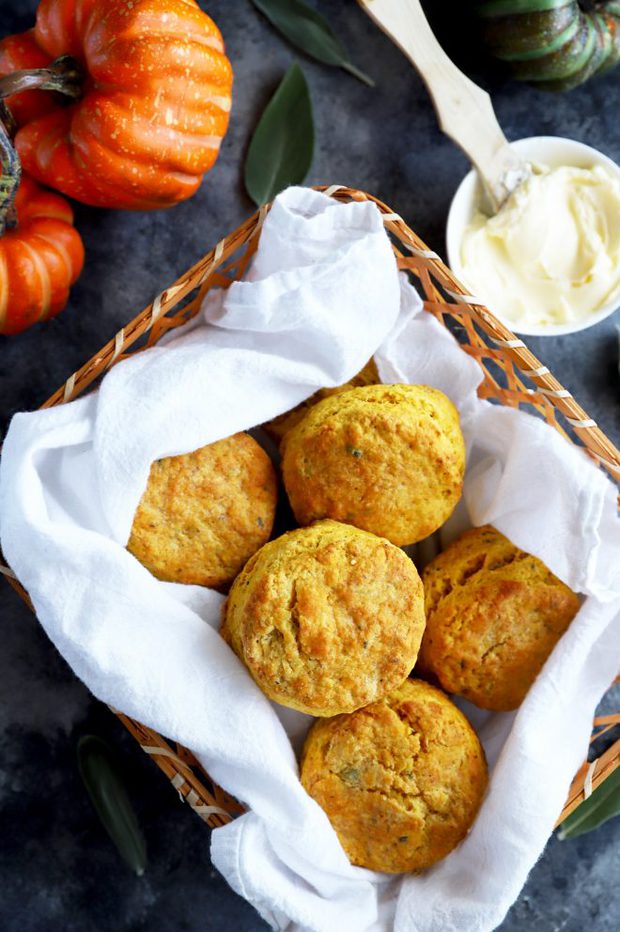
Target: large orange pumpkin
x,y
17,52
153,105
40,258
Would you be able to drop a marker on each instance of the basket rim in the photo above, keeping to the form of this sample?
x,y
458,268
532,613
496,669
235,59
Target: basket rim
x,y
202,275
585,427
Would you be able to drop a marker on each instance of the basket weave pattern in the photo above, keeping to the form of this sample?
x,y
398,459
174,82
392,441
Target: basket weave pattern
x,y
512,376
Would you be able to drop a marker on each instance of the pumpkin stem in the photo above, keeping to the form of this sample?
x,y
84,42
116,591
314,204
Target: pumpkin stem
x,y
63,75
11,173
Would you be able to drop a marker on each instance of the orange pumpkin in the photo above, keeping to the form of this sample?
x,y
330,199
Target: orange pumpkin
x,y
18,52
153,105
40,258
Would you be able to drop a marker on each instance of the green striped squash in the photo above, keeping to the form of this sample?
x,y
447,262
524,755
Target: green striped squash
x,y
553,44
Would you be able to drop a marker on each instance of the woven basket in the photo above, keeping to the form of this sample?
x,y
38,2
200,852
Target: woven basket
x,y
512,376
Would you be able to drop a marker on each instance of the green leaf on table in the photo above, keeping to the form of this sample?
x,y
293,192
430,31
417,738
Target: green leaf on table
x,y
282,146
100,774
603,804
310,32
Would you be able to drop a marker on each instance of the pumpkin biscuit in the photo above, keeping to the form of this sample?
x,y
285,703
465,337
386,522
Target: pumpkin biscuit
x,y
386,458
203,514
280,425
494,614
401,780
326,618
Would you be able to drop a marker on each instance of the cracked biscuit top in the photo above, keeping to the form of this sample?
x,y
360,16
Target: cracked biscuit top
x,y
401,780
386,458
203,514
494,614
326,618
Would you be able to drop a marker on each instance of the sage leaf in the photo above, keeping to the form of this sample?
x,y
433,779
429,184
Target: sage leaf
x,y
103,782
282,146
310,32
603,804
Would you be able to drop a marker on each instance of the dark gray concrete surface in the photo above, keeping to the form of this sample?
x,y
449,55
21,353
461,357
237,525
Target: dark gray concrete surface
x,y
57,868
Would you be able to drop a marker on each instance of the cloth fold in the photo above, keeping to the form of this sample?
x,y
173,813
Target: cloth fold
x,y
323,294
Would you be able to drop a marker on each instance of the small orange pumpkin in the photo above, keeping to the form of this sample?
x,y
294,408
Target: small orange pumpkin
x,y
40,258
152,94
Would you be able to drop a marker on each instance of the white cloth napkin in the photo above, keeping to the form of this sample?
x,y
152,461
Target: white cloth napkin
x,y
323,295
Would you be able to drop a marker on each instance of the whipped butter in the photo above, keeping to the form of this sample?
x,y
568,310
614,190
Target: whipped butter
x,y
552,253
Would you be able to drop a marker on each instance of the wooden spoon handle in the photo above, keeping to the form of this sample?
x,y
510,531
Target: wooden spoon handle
x,y
464,110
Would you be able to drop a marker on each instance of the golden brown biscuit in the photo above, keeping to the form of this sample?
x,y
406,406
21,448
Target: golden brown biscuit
x,y
494,614
386,458
284,422
203,514
401,780
326,618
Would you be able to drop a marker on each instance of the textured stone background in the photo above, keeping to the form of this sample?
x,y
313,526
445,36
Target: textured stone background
x,y
57,868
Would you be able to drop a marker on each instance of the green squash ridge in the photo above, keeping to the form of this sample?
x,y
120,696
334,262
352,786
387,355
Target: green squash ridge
x,y
491,8
553,44
567,35
563,69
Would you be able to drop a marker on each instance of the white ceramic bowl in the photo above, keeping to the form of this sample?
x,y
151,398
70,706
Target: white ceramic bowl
x,y
553,151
